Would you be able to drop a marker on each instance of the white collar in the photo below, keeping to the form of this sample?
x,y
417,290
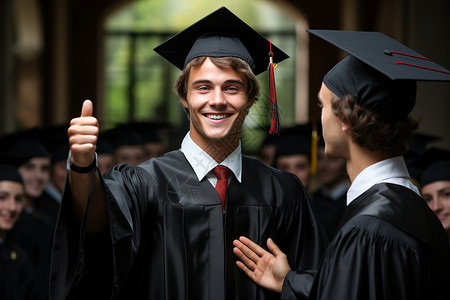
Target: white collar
x,y
391,170
202,163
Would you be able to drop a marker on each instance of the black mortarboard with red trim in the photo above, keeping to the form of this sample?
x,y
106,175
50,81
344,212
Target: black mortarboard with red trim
x,y
380,72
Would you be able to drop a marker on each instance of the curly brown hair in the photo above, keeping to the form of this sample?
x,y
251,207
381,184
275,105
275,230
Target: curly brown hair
x,y
370,131
237,64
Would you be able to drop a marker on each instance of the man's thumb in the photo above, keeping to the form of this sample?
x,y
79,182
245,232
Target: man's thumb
x,y
87,109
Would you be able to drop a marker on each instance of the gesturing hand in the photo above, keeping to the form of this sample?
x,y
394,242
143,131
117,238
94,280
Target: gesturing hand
x,y
264,268
83,133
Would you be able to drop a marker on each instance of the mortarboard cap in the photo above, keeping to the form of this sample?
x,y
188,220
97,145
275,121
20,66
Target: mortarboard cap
x,y
417,147
9,173
148,130
223,34
104,146
380,72
220,34
24,149
123,136
435,164
295,140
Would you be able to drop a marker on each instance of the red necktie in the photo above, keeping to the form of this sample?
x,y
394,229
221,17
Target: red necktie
x,y
221,172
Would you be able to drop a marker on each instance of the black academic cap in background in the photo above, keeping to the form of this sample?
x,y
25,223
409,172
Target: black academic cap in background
x,y
417,147
104,145
123,136
9,173
220,34
25,149
18,147
294,140
380,72
60,152
150,131
435,163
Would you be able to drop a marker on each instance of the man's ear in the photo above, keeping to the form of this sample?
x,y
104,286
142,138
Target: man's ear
x,y
345,126
184,102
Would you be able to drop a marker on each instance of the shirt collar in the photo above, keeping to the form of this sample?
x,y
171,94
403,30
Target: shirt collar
x,y
202,163
388,170
337,192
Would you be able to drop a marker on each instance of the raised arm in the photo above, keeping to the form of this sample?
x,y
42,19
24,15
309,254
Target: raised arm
x,y
264,268
83,134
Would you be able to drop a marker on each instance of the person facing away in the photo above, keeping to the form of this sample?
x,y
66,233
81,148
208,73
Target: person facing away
x,y
160,230
17,280
390,244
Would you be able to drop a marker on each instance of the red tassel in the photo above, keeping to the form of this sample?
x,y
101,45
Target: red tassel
x,y
275,128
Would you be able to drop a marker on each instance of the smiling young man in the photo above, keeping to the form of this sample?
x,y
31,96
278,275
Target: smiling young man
x,y
389,244
164,229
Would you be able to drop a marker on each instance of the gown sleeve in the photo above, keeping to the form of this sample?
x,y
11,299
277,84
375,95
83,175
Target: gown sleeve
x,y
301,237
82,264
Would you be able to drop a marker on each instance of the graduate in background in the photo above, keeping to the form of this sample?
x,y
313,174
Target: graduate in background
x,y
17,278
435,183
164,229
390,244
35,228
330,199
293,152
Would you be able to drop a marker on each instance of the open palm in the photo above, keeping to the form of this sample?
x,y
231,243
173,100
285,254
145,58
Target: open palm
x,y
267,269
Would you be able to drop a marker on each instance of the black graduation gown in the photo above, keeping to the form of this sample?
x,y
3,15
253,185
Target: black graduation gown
x,y
48,208
329,211
35,235
391,246
171,240
17,281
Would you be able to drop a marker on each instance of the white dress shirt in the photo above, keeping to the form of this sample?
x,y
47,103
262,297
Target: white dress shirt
x,y
391,170
203,164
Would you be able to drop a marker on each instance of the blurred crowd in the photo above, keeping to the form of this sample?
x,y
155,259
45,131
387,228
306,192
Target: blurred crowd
x,y
33,174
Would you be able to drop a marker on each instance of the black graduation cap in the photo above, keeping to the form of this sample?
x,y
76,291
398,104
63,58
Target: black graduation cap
x,y
9,173
417,147
150,131
435,163
295,140
380,72
223,34
123,136
220,34
104,145
21,146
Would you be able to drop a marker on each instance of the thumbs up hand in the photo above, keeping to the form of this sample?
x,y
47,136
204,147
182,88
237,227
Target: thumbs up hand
x,y
83,134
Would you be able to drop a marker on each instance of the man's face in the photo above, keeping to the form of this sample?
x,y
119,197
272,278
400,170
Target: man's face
x,y
437,195
105,162
296,164
35,174
59,174
217,102
129,154
11,204
330,170
331,126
